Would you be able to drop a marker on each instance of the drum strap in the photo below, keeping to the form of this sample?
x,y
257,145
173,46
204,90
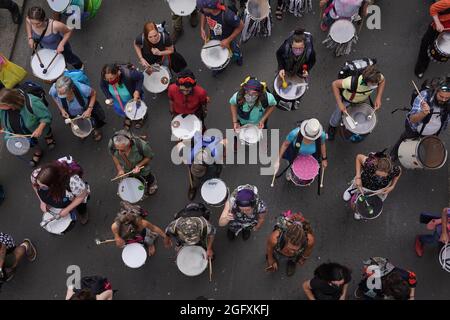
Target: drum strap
x,y
42,36
78,96
118,97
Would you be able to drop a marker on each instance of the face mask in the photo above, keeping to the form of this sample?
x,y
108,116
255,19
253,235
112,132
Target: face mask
x,y
250,99
297,52
62,96
113,82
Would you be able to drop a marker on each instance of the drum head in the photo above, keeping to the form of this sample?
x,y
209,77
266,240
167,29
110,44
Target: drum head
x,y
56,226
59,5
361,114
182,7
158,81
250,134
134,112
342,31
214,191
296,87
54,71
305,167
443,43
215,57
432,153
134,255
258,9
192,260
444,257
374,202
184,127
81,127
131,190
18,146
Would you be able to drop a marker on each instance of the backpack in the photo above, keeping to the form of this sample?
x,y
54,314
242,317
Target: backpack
x,y
286,218
30,87
75,168
96,284
355,69
194,209
126,207
77,76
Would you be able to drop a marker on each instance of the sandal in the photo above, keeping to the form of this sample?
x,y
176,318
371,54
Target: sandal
x,y
279,13
50,140
31,251
36,159
97,136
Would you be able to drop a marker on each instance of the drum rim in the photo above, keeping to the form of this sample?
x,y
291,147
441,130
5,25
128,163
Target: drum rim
x,y
227,192
56,59
205,260
374,117
196,122
418,153
51,7
87,121
246,127
147,77
224,64
281,95
363,216
134,245
64,220
445,266
171,2
143,105
141,180
436,43
342,21
18,138
258,19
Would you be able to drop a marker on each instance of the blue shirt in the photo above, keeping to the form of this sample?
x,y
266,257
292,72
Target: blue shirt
x,y
305,148
222,25
416,108
75,109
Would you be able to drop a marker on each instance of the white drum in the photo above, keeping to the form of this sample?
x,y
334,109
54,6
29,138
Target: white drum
x,y
156,78
214,56
426,153
192,260
214,192
81,127
55,226
257,19
134,255
182,7
59,5
185,126
18,146
341,37
444,257
131,190
136,110
250,134
47,71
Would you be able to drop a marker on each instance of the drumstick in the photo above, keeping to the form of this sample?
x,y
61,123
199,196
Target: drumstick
x,y
191,184
17,135
99,242
51,62
210,270
321,178
352,123
368,206
37,55
214,45
273,179
417,90
125,174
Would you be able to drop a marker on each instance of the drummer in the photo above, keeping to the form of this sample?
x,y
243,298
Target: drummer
x,y
130,227
342,9
131,153
154,46
244,212
374,172
430,114
177,24
19,117
224,25
92,288
78,99
59,184
296,56
440,234
371,79
78,14
187,97
11,255
120,84
440,12
50,34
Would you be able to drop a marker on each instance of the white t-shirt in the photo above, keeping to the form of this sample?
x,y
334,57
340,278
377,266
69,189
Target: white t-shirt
x,y
433,125
345,8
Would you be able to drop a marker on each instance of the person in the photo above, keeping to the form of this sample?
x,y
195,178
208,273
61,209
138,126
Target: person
x,y
440,227
177,24
374,173
342,9
91,288
191,227
120,84
382,280
59,184
50,34
292,239
307,139
440,12
13,8
12,255
187,97
252,104
11,74
130,227
429,115
26,114
296,56
133,154
355,90
154,46
330,282
75,99
224,25
79,10
244,212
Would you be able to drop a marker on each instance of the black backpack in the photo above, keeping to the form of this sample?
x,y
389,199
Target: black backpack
x,y
96,284
194,209
30,87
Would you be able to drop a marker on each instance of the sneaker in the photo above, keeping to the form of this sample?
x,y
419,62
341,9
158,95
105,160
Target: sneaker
x,y
357,216
152,189
31,251
193,19
231,235
246,233
419,247
84,218
347,195
175,35
331,132
191,193
290,268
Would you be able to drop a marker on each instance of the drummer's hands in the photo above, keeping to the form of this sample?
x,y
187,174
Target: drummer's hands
x,y
137,169
120,172
144,63
444,237
377,104
324,164
120,243
31,43
203,34
87,113
387,190
305,73
167,242
236,126
64,212
439,26
64,114
225,43
136,96
210,253
261,124
43,207
358,182
272,267
156,52
60,48
276,165
343,108
282,73
425,107
37,133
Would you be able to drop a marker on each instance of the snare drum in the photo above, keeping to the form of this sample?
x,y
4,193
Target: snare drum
x,y
132,189
192,260
439,51
136,110
185,126
59,5
53,71
134,255
58,226
257,19
250,134
289,98
182,7
81,127
299,7
365,117
341,37
214,192
426,153
303,171
18,146
158,80
444,257
362,209
215,57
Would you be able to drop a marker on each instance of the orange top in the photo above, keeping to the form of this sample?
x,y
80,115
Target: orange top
x,y
442,9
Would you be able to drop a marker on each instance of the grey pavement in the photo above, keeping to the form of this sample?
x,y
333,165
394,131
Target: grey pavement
x,y
8,30
239,266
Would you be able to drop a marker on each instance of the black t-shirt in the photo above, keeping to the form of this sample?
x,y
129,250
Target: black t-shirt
x,y
163,43
222,25
322,290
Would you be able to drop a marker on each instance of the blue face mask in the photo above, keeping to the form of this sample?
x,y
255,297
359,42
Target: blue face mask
x,y
62,96
250,99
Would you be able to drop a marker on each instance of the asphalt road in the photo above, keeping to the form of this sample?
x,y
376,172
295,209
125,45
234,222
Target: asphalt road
x,y
239,267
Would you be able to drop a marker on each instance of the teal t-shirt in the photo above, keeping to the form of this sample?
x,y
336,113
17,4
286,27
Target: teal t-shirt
x,y
124,95
257,112
305,148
